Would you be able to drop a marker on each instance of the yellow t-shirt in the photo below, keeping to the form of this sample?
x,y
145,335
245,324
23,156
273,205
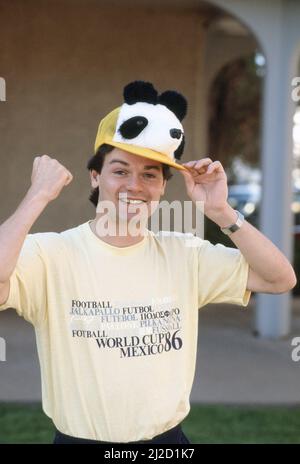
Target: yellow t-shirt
x,y
116,328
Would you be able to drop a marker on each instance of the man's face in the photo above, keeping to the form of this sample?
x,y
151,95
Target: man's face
x,y
125,177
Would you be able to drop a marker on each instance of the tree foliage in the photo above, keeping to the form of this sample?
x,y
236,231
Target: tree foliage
x,y
235,109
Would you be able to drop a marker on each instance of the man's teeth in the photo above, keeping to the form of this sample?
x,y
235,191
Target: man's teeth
x,y
134,202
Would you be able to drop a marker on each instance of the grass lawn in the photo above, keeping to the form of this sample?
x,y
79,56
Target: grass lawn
x,y
21,423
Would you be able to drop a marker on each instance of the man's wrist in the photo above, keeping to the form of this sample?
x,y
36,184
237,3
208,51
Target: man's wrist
x,y
38,198
224,217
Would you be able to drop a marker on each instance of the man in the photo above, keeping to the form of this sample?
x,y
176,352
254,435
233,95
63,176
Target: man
x,y
114,306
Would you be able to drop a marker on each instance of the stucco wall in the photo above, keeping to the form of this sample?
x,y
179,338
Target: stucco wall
x,y
65,64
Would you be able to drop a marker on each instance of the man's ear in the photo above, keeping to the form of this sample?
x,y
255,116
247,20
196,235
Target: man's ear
x,y
94,175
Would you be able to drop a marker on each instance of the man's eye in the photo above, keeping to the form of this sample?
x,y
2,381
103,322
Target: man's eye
x,y
150,176
120,172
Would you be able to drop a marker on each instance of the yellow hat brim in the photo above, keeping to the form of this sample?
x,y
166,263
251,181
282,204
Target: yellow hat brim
x,y
145,152
106,133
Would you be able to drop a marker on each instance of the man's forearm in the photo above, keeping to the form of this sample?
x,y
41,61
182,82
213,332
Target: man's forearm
x,y
260,253
14,230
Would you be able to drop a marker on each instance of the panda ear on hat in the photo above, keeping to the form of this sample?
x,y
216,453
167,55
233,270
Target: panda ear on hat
x,y
140,91
175,102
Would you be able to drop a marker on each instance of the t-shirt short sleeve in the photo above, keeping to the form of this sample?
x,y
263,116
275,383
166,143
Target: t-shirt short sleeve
x,y
27,293
223,275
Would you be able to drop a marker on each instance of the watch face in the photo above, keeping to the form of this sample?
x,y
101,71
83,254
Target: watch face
x,y
234,227
229,230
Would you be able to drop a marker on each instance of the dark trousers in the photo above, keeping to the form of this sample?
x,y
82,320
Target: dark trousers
x,y
174,435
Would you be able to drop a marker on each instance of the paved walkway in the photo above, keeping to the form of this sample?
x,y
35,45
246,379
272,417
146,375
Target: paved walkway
x,y
233,366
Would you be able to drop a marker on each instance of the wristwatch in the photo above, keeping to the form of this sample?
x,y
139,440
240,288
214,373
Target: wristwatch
x,y
234,227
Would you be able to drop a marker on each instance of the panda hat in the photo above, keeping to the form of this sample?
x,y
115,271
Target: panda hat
x,y
147,124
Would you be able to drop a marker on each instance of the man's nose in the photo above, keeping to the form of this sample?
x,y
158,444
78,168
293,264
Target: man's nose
x,y
175,133
134,183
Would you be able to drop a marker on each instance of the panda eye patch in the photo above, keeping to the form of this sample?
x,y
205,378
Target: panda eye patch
x,y
133,127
